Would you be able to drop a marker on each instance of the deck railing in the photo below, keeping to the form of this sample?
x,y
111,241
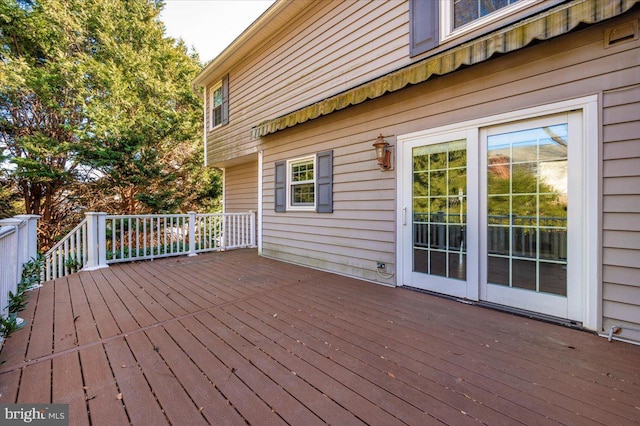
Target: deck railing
x,y
68,255
18,245
102,239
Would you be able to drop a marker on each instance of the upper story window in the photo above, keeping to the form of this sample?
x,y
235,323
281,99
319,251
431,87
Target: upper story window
x,y
435,22
466,11
219,103
216,107
458,17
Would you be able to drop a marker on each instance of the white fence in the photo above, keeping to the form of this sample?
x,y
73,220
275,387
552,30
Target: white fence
x,y
102,239
18,245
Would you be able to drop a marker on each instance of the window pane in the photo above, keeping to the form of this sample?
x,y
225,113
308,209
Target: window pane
x,y
302,172
554,145
458,266
217,116
217,97
465,11
438,183
438,263
498,270
524,274
524,178
527,208
302,194
457,181
458,158
555,278
498,240
439,209
498,179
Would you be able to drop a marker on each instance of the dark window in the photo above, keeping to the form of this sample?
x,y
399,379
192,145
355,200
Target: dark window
x,y
465,11
219,103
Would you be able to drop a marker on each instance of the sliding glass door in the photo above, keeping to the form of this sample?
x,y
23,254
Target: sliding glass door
x,y
495,213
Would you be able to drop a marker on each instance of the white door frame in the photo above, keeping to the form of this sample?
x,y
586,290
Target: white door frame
x,y
590,270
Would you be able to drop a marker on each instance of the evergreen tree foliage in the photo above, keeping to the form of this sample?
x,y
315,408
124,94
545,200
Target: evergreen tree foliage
x,y
97,112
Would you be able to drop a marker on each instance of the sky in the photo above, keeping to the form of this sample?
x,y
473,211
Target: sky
x,y
210,25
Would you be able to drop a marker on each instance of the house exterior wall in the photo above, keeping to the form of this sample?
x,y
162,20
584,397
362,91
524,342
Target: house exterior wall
x,y
241,188
329,47
621,209
361,231
310,60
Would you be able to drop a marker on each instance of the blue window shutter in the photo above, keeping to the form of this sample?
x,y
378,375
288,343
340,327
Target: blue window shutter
x,y
423,26
324,182
280,198
225,99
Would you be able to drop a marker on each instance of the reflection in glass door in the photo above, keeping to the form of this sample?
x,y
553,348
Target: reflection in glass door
x,y
439,209
527,209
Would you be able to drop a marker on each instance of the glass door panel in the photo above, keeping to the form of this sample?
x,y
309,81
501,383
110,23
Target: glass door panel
x,y
439,200
527,198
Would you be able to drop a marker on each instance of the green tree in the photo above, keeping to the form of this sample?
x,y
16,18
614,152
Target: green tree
x,y
97,111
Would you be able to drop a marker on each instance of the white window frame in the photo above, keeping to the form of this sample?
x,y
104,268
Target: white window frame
x,y
290,184
212,92
447,32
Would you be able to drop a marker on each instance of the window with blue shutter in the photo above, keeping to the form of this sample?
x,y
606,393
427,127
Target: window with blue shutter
x,y
304,184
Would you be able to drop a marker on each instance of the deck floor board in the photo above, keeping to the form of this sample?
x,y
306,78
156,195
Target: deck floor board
x,y
550,372
446,357
235,338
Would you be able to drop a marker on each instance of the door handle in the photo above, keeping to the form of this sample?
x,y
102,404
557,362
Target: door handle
x,y
404,216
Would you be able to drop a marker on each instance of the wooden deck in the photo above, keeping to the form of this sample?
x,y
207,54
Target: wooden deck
x,y
233,338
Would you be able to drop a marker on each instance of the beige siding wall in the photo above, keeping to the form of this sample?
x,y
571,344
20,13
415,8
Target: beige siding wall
x,y
324,49
310,59
361,230
621,210
241,188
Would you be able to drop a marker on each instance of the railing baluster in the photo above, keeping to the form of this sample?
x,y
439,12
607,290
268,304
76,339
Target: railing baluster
x,y
159,243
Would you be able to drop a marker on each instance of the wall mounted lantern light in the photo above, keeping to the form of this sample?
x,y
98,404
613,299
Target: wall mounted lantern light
x,y
383,154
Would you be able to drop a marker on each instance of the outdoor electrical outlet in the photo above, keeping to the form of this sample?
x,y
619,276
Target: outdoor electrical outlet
x,y
382,265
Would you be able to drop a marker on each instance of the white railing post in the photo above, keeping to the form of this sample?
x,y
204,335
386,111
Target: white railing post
x,y
31,234
15,271
11,271
102,240
223,233
92,241
96,241
192,234
252,228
